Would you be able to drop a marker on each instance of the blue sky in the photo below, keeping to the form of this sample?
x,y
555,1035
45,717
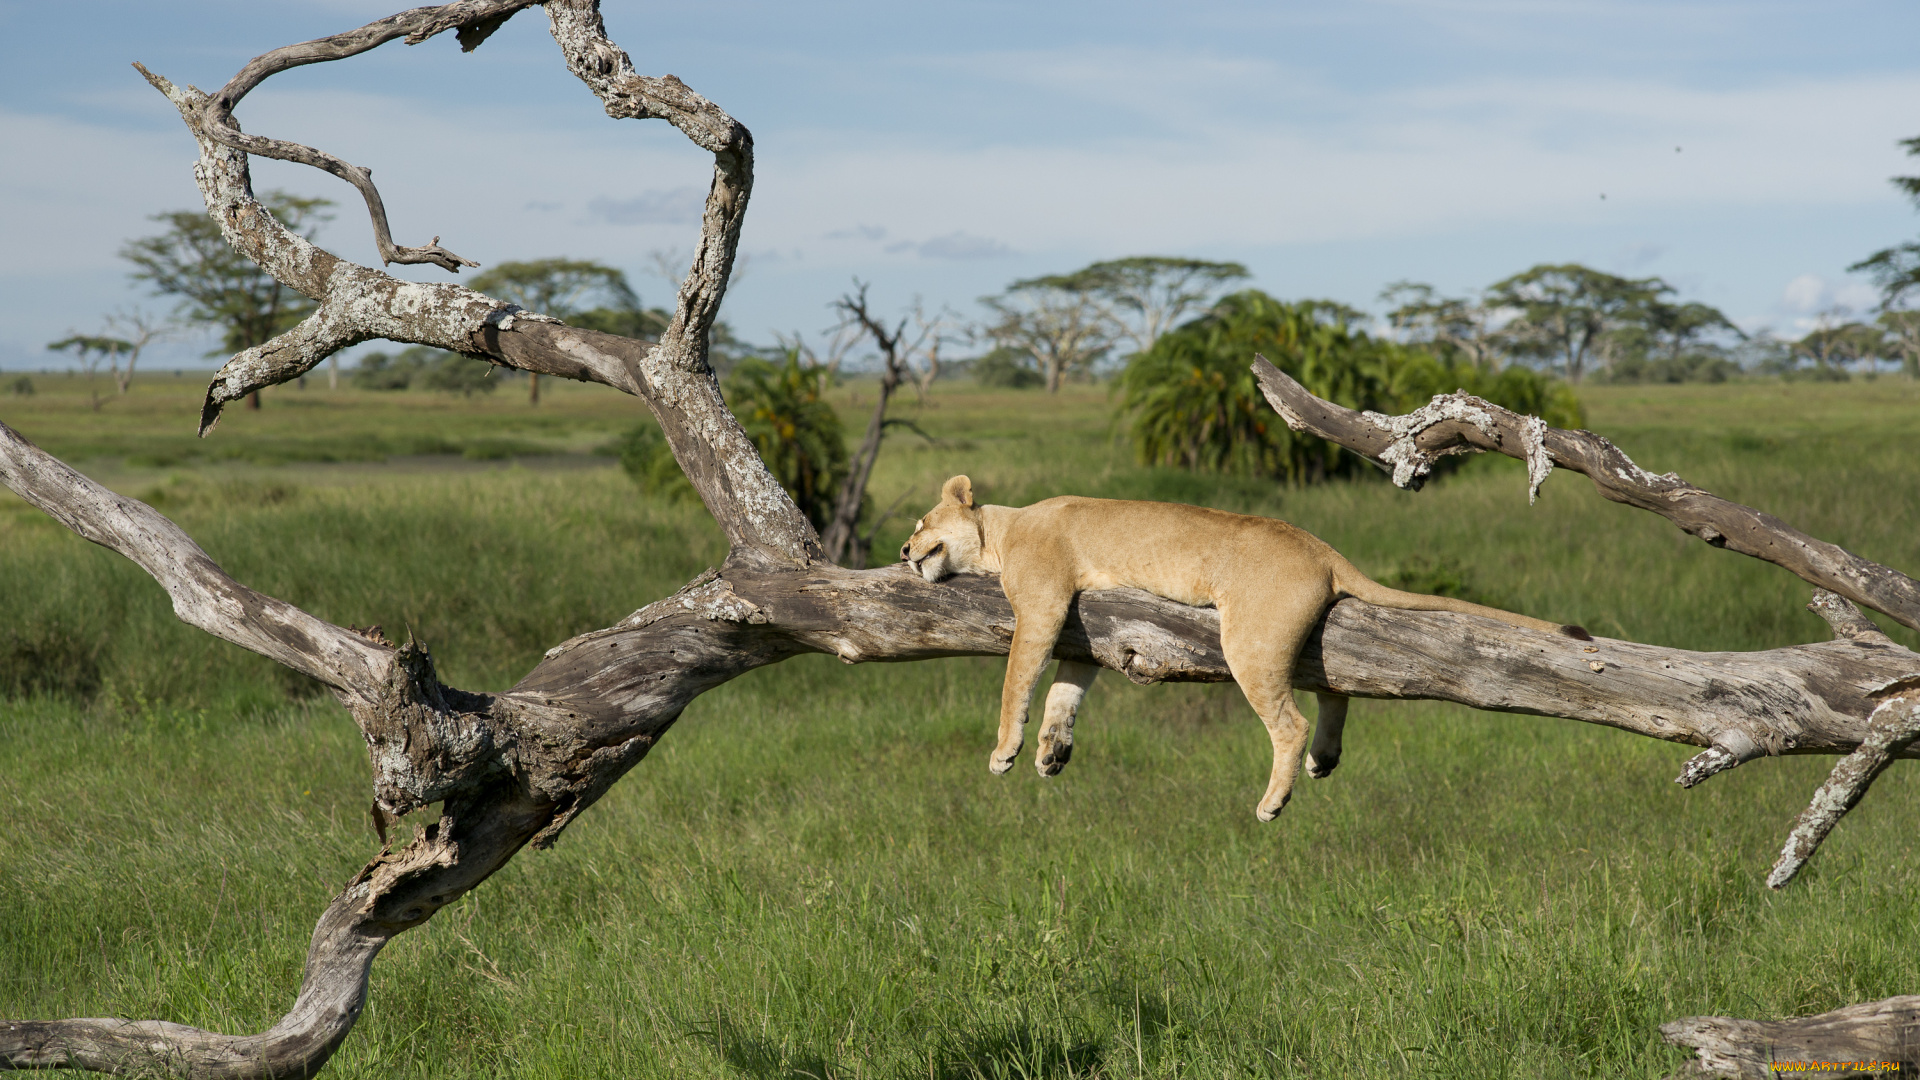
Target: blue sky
x,y
941,151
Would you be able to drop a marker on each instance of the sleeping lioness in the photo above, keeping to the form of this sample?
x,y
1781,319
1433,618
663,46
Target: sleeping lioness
x,y
1271,581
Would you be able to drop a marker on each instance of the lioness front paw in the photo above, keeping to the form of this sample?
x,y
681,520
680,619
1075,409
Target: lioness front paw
x,y
1270,808
998,765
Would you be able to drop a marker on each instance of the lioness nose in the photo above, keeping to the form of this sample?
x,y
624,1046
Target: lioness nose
x,y
903,551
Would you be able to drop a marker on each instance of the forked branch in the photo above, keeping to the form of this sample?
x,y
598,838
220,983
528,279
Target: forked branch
x,y
202,593
358,303
1408,446
474,19
1460,423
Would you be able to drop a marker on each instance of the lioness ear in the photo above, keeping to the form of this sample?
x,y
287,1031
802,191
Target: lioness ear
x,y
958,490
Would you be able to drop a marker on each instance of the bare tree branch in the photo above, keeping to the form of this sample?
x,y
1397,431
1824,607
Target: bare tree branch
x,y
474,18
1885,1031
1890,730
395,892
1846,620
359,303
203,595
1459,424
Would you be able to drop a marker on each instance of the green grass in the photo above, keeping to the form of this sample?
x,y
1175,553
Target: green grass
x,y
816,876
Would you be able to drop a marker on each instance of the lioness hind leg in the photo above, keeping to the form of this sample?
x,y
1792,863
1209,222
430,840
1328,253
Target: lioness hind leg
x,y
1325,754
1070,682
1261,652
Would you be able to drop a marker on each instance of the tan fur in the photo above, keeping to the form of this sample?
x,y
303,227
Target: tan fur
x,y
1271,582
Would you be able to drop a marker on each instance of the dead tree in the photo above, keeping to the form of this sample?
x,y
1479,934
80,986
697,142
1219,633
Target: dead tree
x,y
843,541
934,333
1408,446
514,768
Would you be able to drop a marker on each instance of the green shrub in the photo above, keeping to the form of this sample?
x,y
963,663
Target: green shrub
x,y
785,412
50,658
1707,367
1193,403
1007,367
1442,576
381,371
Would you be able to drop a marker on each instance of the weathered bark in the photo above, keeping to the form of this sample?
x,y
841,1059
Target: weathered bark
x,y
1408,446
202,594
474,19
1459,423
1883,1033
516,767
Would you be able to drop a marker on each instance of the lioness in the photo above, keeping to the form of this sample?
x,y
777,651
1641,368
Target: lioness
x,y
1271,581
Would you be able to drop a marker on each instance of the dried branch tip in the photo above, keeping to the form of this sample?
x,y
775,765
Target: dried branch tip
x,y
1730,748
1847,620
1894,726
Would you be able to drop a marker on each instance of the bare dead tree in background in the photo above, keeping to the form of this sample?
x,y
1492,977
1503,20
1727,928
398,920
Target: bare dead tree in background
x,y
515,768
139,330
932,332
842,541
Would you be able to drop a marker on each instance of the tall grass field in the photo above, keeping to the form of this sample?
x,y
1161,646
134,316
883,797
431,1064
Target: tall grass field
x,y
815,876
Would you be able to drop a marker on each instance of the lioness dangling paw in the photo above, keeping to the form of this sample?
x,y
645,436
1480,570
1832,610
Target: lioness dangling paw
x,y
1272,583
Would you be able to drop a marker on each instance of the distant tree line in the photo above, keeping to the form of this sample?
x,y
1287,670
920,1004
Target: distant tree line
x,y
1174,332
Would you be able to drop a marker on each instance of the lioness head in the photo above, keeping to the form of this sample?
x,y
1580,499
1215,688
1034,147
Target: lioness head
x,y
946,541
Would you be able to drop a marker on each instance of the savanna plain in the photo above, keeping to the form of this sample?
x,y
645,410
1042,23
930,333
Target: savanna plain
x,y
814,875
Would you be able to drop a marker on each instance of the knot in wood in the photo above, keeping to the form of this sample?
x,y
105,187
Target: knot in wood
x,y
426,741
716,600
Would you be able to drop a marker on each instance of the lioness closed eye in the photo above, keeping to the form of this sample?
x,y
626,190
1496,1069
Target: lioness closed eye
x,y
1271,581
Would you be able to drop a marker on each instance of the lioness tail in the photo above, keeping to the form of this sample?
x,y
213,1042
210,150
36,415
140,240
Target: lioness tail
x,y
1349,581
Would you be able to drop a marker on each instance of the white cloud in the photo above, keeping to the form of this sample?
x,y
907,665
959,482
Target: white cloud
x,y
1804,294
956,246
874,233
1109,151
1813,295
662,206
1402,162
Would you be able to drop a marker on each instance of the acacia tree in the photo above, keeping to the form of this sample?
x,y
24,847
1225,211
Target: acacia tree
x,y
90,350
1838,341
1446,324
1144,296
513,769
1897,268
139,329
1903,338
216,284
1062,328
1564,312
